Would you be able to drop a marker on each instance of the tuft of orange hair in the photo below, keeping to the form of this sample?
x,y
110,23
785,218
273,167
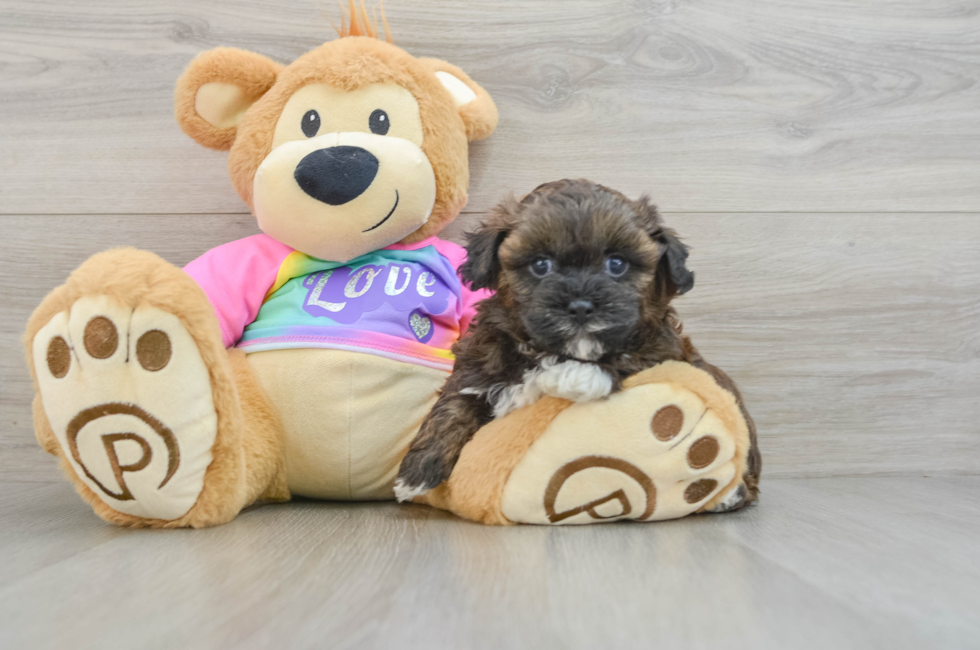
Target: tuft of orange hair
x,y
360,23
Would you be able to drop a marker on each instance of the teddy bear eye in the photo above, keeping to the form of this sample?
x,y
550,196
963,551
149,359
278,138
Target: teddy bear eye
x,y
379,122
311,123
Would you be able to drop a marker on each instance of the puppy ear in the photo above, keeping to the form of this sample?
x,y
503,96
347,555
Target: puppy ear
x,y
215,91
672,266
474,104
481,270
673,262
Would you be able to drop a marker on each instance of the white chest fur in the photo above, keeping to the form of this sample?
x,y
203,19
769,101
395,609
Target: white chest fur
x,y
572,380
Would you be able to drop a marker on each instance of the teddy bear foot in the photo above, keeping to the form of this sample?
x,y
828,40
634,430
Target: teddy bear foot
x,y
672,443
656,451
128,397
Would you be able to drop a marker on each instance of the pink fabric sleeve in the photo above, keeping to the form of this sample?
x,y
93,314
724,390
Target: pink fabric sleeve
x,y
456,255
236,276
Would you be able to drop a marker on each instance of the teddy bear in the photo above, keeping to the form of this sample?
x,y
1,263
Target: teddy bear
x,y
177,397
302,360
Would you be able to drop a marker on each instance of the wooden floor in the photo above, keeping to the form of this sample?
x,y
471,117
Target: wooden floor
x,y
821,158
823,563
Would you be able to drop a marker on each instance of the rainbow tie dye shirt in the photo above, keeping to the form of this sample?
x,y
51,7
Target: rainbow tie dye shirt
x,y
403,302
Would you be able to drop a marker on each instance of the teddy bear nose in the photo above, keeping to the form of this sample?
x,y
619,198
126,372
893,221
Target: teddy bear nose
x,y
336,175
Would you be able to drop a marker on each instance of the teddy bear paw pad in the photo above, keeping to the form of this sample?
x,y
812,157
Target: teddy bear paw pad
x,y
129,399
652,452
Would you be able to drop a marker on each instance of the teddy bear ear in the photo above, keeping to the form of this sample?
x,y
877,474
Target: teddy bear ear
x,y
474,104
215,91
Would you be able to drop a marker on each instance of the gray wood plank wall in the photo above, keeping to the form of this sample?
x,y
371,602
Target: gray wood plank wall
x,y
822,158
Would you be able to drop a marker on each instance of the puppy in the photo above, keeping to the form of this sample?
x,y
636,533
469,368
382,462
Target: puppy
x,y
583,279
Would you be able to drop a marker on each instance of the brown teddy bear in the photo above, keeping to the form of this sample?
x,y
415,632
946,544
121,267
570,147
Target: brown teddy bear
x,y
355,153
303,360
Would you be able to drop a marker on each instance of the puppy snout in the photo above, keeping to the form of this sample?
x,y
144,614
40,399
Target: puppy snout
x,y
336,175
581,310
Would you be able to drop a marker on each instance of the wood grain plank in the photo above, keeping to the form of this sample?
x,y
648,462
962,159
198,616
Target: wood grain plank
x,y
852,531
854,337
717,105
44,524
819,563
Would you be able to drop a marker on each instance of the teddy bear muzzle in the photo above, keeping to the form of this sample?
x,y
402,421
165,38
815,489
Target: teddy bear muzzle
x,y
337,196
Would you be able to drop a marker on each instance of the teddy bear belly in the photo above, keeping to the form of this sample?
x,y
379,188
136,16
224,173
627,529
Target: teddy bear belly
x,y
348,417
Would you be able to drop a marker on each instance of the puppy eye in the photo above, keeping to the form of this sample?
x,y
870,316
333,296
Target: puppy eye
x,y
616,266
379,122
540,267
310,123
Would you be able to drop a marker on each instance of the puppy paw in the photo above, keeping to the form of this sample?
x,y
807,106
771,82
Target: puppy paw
x,y
405,492
736,499
421,470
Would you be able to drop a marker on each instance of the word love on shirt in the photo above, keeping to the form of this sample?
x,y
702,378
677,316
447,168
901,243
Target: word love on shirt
x,y
345,294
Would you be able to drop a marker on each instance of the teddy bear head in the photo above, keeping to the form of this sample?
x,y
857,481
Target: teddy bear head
x,y
354,146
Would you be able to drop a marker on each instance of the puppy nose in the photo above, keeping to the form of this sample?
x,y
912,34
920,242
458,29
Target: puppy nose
x,y
581,309
336,175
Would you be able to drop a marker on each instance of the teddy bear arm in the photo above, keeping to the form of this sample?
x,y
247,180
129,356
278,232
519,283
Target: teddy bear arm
x,y
236,277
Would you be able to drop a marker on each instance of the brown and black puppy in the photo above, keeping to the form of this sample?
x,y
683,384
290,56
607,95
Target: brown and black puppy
x,y
583,279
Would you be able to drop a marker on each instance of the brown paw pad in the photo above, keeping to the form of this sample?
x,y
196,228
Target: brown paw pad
x,y
59,357
101,338
667,422
703,452
153,350
699,490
